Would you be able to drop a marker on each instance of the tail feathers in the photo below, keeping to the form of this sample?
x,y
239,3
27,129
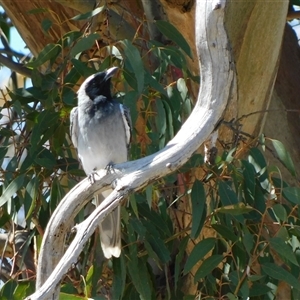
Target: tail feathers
x,y
110,230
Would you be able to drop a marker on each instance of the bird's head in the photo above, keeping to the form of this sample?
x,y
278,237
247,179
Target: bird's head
x,y
98,85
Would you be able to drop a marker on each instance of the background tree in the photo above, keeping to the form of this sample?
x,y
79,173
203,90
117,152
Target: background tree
x,y
250,219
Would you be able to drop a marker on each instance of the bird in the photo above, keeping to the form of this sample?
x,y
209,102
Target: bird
x,y
100,129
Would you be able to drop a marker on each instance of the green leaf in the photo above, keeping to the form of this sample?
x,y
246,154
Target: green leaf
x,y
5,217
89,14
284,156
64,296
199,251
11,189
72,77
51,51
56,193
8,288
280,273
38,11
169,118
280,212
154,219
20,291
179,258
82,68
257,159
152,254
119,279
46,25
248,242
225,232
249,176
89,281
149,191
198,208
295,2
3,151
140,277
157,244
133,205
174,35
230,296
207,266
130,100
235,210
69,38
283,249
161,122
258,289
227,195
292,194
134,58
45,158
30,196
152,82
138,227
47,120
234,279
84,44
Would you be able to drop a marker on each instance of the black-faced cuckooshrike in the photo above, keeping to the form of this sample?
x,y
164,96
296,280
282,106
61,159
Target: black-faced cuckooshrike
x,y
101,131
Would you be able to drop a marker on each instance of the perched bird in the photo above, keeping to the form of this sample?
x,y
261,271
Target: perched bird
x,y
101,131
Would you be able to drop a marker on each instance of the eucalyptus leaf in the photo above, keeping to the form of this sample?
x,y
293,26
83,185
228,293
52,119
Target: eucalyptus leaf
x,y
11,189
207,266
179,258
283,249
292,194
134,58
284,156
84,44
279,273
51,51
174,35
89,14
198,253
198,208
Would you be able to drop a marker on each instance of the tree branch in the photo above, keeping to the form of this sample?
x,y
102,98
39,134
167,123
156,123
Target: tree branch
x,y
19,68
217,86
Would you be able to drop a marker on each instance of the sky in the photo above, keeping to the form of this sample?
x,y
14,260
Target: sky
x,y
16,44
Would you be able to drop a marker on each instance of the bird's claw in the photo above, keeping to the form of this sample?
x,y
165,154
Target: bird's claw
x,y
109,168
91,177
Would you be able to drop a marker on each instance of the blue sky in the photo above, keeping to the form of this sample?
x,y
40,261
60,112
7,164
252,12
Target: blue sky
x,y
17,44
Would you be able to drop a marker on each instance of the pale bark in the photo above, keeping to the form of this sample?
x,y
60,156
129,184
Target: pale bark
x,y
218,79
256,30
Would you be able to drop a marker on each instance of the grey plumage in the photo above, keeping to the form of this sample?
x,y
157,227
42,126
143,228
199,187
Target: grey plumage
x,y
101,130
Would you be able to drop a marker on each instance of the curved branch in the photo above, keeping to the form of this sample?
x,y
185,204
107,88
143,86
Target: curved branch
x,y
12,52
217,86
8,62
19,68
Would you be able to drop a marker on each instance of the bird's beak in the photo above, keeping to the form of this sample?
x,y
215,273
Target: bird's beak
x,y
111,72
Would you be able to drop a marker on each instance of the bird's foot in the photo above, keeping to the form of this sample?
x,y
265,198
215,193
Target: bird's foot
x,y
91,176
109,168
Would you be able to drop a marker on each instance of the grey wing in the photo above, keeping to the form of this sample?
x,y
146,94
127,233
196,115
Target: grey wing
x,y
125,111
74,126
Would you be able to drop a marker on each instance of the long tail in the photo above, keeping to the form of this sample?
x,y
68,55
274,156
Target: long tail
x,y
110,229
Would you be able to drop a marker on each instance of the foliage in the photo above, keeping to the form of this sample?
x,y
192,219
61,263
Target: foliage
x,y
249,211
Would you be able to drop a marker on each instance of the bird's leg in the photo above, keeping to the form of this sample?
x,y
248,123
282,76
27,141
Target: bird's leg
x,y
91,176
109,168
